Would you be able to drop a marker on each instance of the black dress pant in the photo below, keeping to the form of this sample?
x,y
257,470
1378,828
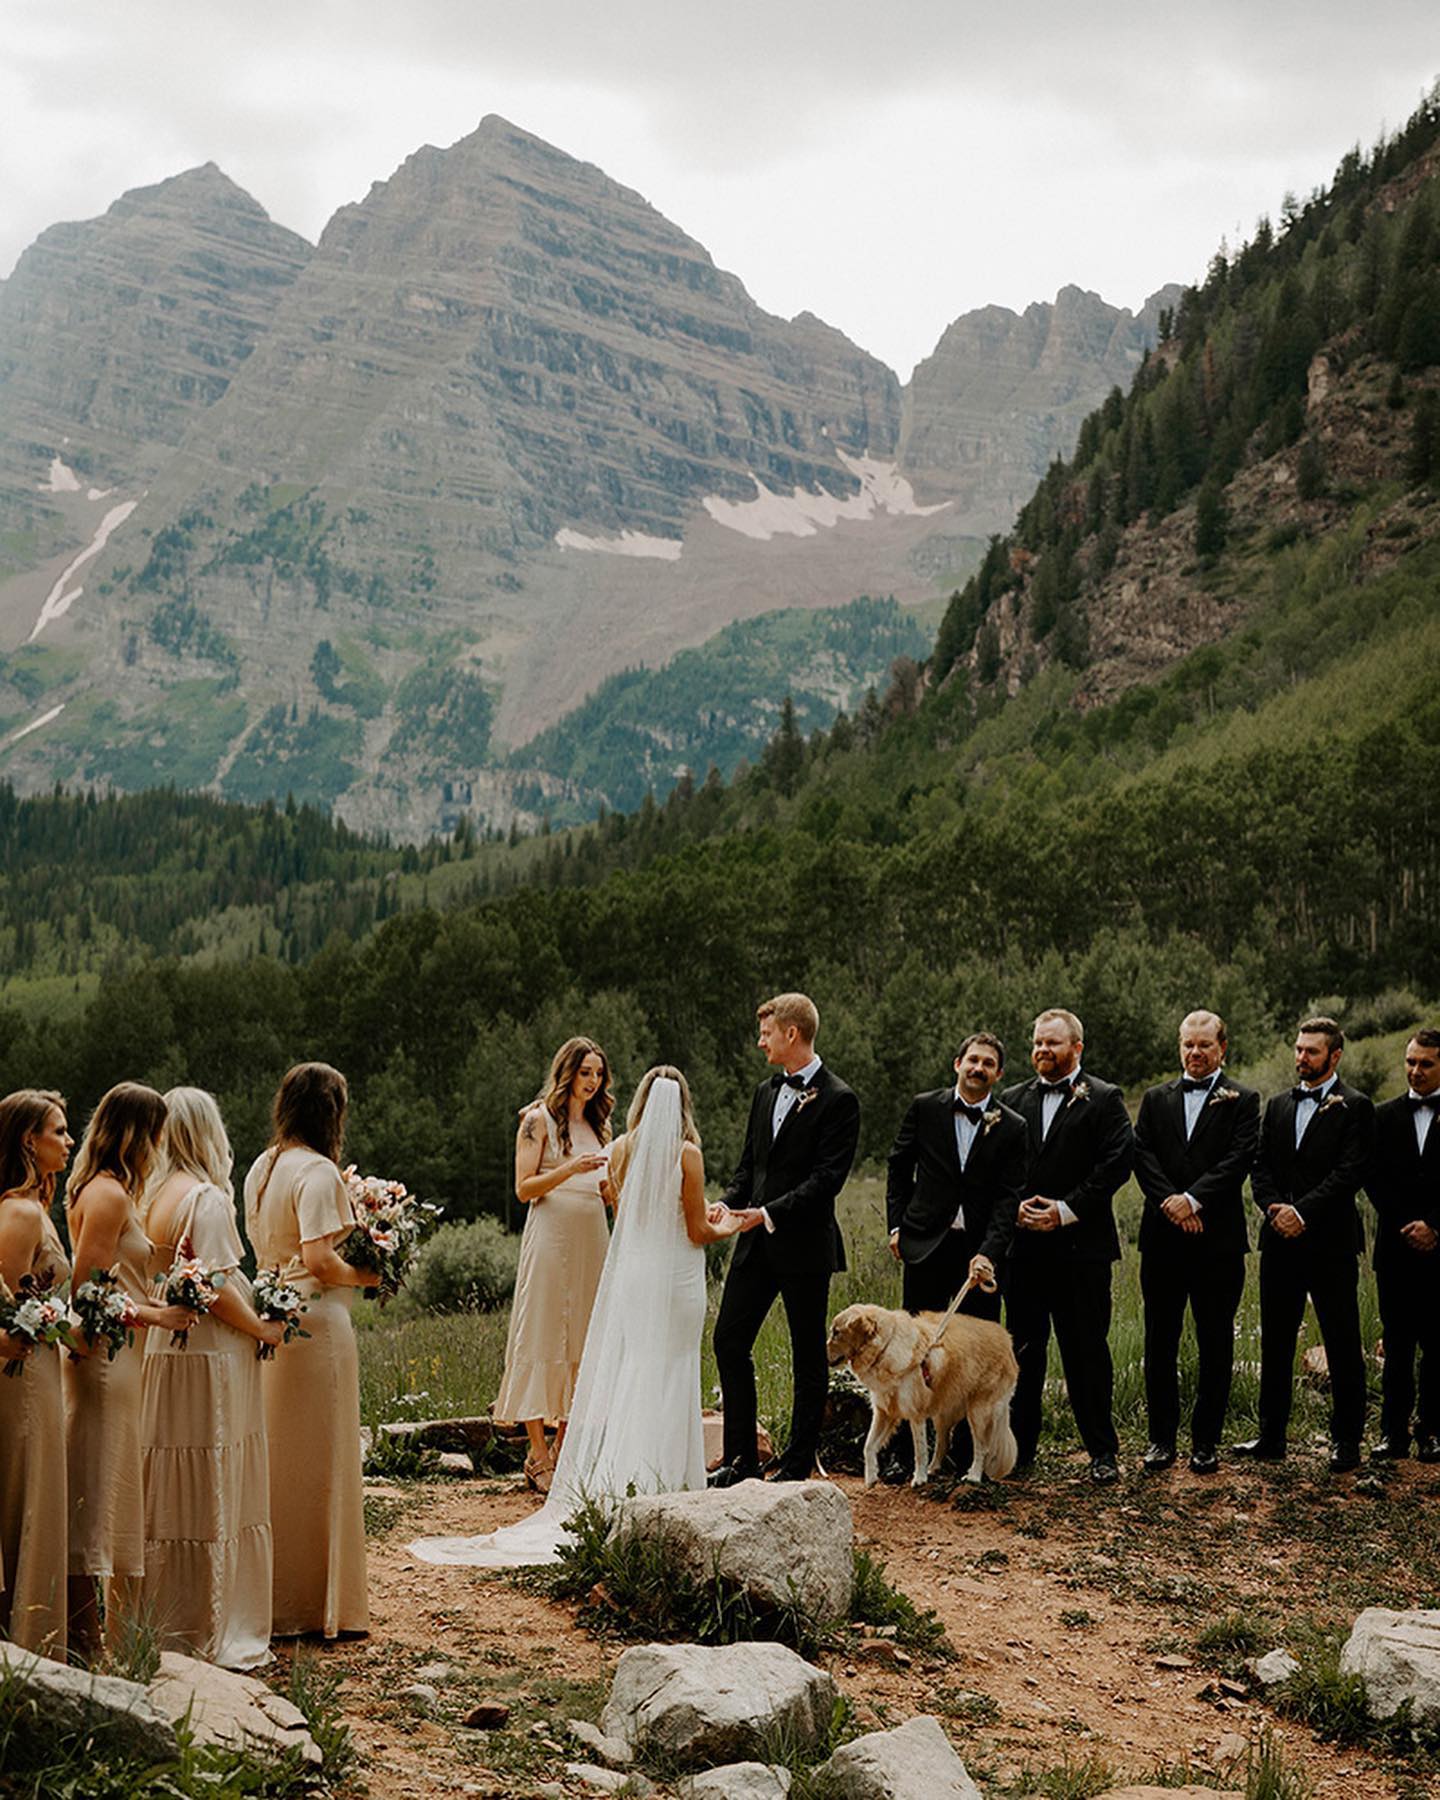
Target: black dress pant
x,y
1409,1287
750,1292
1073,1296
1211,1287
933,1282
1330,1278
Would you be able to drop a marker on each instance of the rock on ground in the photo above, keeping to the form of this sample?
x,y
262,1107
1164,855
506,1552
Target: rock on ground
x,y
613,1751
225,1707
1146,1791
785,1543
610,1781
56,1698
738,1781
914,1759
1274,1666
1397,1655
701,1704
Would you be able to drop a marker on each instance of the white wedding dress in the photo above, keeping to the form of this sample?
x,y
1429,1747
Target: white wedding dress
x,y
635,1419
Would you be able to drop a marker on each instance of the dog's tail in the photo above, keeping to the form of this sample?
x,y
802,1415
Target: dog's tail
x,y
995,1439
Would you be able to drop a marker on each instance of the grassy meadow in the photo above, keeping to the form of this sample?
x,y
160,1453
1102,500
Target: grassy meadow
x,y
415,1366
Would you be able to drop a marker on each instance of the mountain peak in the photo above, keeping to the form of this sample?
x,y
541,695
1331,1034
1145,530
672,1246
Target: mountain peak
x,y
206,185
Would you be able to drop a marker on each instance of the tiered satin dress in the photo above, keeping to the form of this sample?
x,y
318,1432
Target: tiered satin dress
x,y
34,1538
208,1562
312,1405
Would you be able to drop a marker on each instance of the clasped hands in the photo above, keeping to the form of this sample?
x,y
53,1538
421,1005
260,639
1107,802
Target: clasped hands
x,y
1039,1214
730,1221
1178,1210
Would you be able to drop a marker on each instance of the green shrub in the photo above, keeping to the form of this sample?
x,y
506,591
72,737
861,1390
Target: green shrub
x,y
467,1267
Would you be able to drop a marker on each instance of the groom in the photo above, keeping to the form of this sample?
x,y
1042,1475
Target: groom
x,y
799,1144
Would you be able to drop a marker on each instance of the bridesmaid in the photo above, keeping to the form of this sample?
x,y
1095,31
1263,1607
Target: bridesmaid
x,y
35,1145
208,1564
297,1209
102,1397
559,1156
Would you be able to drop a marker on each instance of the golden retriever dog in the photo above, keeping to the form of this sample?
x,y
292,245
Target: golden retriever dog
x,y
972,1374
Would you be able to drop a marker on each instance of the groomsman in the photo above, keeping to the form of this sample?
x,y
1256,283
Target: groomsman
x,y
1080,1147
1404,1186
1195,1140
800,1141
1316,1142
954,1182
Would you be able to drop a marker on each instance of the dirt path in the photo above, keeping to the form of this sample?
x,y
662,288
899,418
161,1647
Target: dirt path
x,y
1073,1613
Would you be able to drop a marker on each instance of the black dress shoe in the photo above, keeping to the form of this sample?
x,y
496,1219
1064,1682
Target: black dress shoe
x,y
1427,1448
1260,1449
1204,1460
1344,1456
732,1474
1390,1449
1103,1470
1157,1457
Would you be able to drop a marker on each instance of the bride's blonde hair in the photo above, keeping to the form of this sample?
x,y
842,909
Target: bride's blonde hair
x,y
642,1093
194,1143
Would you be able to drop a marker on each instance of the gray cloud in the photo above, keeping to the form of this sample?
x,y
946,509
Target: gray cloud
x,y
887,168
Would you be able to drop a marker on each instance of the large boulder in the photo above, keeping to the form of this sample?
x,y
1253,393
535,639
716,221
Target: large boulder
x,y
699,1705
914,1759
786,1543
224,1707
49,1698
1397,1656
738,1781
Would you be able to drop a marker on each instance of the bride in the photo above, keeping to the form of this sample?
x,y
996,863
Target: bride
x,y
635,1418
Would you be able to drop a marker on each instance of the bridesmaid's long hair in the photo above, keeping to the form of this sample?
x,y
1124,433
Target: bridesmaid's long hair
x,y
309,1109
22,1114
555,1095
121,1140
195,1143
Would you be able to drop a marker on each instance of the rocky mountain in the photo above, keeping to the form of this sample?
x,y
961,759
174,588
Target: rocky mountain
x,y
362,522
1004,394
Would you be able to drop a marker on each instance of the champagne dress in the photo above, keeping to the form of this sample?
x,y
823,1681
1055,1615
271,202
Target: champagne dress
x,y
34,1541
312,1405
102,1434
208,1559
562,1251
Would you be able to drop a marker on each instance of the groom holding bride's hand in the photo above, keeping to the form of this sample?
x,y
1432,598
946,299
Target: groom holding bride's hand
x,y
799,1143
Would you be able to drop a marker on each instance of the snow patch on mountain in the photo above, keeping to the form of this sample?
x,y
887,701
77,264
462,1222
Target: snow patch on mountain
x,y
629,543
801,514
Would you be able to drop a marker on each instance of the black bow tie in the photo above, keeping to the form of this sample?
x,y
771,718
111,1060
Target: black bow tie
x,y
1432,1101
790,1081
1304,1093
1187,1086
973,1113
1057,1087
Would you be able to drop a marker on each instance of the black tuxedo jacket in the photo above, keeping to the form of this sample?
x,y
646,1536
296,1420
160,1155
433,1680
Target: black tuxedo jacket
x,y
796,1175
1211,1164
1083,1162
1320,1179
925,1183
1403,1185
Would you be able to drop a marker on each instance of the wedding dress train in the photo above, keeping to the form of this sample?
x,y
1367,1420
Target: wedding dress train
x,y
635,1421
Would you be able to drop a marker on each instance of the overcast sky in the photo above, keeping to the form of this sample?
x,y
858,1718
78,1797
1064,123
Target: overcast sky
x,y
887,166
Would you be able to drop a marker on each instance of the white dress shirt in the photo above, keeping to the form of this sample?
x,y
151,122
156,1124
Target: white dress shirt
x,y
965,1130
1424,1118
1196,1100
1306,1110
1056,1095
785,1098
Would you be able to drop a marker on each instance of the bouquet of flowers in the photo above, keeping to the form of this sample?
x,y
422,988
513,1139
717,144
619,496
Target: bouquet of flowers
x,y
276,1299
106,1312
33,1316
191,1285
386,1236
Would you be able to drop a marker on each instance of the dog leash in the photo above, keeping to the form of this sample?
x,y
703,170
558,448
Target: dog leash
x,y
987,1285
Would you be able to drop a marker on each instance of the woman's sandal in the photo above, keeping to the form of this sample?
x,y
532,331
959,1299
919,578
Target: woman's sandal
x,y
538,1473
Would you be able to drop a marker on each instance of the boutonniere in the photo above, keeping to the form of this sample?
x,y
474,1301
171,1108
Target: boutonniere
x,y
1325,1105
1080,1091
804,1097
989,1119
1221,1094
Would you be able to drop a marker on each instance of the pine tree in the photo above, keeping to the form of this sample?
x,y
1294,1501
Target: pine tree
x,y
1212,519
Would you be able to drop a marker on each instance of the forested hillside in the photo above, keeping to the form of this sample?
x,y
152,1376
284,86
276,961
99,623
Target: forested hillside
x,y
1252,827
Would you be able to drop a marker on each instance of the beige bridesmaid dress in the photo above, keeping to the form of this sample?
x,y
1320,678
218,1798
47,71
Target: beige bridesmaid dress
x,y
562,1251
102,1435
208,1565
34,1542
312,1405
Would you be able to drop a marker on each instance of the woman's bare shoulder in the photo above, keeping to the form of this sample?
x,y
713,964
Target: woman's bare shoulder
x,y
691,1157
102,1197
